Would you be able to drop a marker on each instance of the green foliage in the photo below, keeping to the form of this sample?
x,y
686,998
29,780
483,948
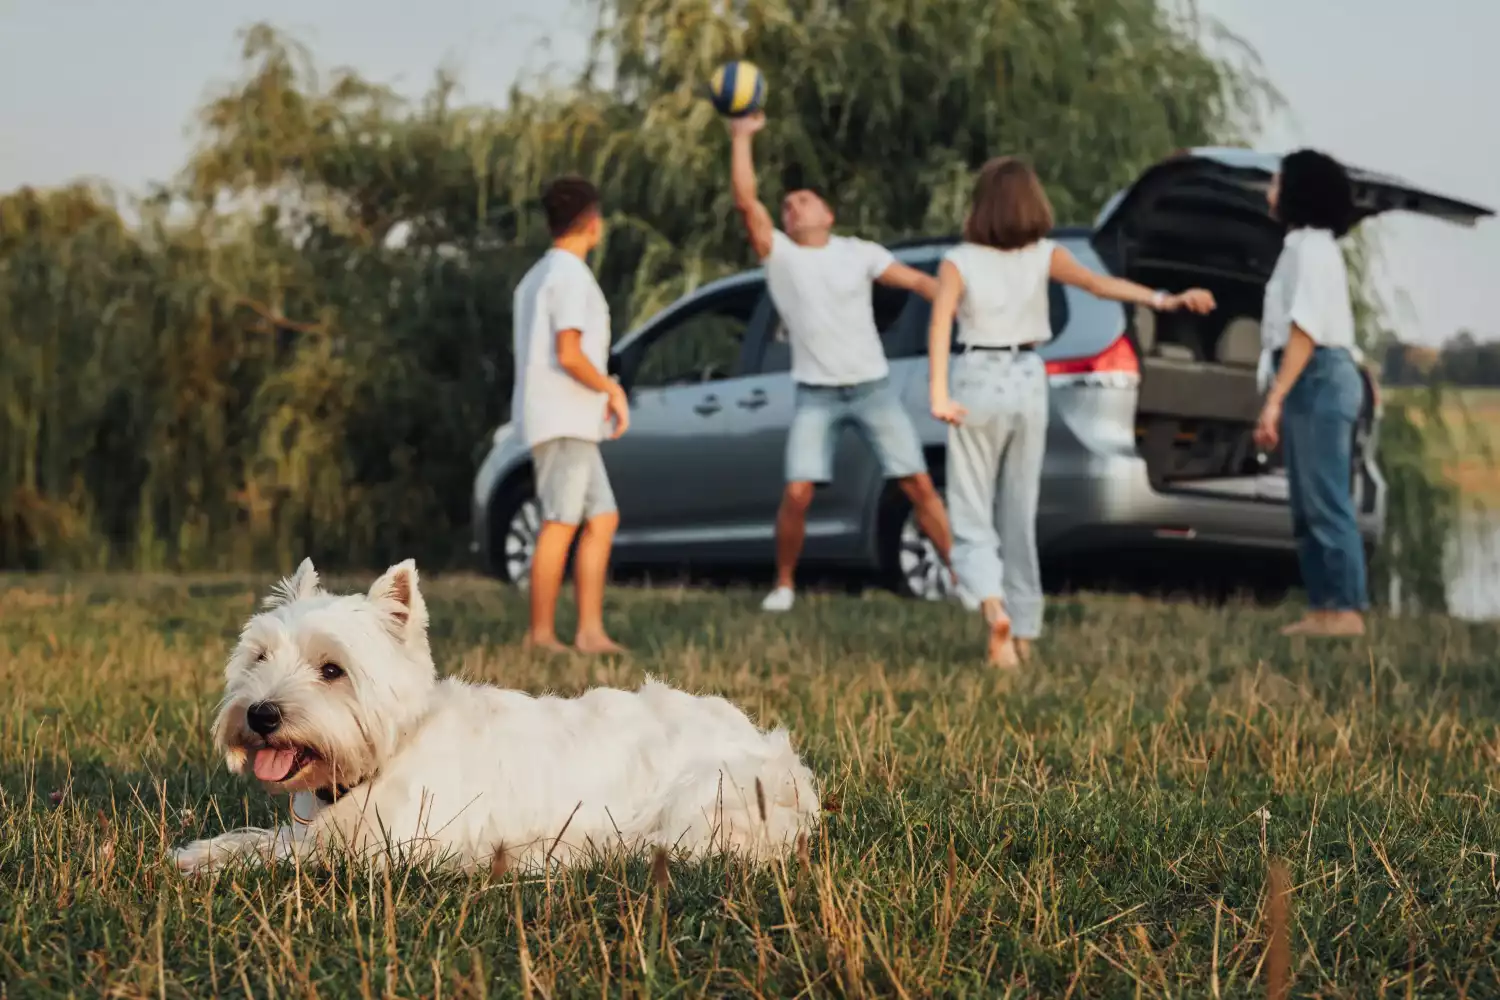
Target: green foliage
x,y
301,344
1422,503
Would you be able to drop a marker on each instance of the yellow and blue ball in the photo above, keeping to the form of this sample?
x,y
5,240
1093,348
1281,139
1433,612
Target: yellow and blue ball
x,y
737,88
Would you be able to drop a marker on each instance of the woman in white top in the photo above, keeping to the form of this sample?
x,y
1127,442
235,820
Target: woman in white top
x,y
1307,334
995,281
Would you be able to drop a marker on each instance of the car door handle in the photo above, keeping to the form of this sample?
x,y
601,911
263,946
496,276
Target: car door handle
x,y
708,407
754,401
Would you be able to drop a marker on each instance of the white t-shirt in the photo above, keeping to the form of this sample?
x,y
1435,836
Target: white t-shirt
x,y
1004,302
558,293
1309,287
824,298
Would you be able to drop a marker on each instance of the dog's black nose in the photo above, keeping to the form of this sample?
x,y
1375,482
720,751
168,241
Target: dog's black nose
x,y
264,717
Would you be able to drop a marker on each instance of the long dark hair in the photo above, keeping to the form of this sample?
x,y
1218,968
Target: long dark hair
x,y
1315,193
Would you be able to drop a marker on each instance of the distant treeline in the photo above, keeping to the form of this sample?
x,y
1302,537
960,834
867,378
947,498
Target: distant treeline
x,y
1462,361
299,344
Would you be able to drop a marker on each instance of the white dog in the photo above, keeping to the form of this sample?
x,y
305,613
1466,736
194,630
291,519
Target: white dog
x,y
334,700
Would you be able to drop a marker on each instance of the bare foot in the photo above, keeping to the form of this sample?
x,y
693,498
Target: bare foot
x,y
1310,624
546,643
1001,650
1003,654
598,644
1340,624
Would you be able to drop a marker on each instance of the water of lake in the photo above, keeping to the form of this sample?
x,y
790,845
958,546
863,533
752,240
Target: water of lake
x,y
1474,569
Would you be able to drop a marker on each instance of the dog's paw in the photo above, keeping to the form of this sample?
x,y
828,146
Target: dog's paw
x,y
195,857
207,855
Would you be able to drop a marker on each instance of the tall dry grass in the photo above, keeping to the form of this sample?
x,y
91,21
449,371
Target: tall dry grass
x,y
1101,825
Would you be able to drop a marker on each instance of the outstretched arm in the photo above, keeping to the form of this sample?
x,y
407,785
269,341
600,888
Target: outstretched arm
x,y
903,276
742,181
1066,269
950,285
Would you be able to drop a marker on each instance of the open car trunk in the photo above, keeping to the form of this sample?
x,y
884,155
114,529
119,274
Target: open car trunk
x,y
1200,219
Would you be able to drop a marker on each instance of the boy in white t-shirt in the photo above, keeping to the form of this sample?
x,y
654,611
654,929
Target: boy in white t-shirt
x,y
561,403
820,284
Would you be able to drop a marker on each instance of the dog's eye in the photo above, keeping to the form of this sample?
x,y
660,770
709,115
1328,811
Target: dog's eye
x,y
331,671
260,657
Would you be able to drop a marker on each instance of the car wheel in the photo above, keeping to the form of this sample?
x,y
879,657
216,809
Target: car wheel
x,y
910,561
518,521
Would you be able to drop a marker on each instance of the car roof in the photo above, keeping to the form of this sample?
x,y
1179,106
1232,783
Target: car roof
x,y
917,243
1374,192
907,249
910,250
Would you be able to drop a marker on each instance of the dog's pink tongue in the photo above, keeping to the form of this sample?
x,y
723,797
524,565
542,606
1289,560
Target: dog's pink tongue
x,y
274,765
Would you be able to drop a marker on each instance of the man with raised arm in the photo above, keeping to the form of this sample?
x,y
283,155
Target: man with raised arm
x,y
820,284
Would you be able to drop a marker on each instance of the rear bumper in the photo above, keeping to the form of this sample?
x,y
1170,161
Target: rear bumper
x,y
1096,491
1105,501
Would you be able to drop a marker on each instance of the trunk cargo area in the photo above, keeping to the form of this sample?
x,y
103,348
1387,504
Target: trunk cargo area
x,y
1198,403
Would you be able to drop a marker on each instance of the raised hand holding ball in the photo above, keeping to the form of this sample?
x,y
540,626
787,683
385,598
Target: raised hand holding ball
x,y
747,124
737,88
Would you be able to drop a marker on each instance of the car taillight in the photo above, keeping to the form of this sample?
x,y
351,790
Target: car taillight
x,y
1117,357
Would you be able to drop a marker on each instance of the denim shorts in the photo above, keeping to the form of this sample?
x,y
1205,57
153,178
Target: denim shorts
x,y
571,483
873,408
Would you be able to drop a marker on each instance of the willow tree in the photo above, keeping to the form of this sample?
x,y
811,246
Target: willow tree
x,y
890,105
310,363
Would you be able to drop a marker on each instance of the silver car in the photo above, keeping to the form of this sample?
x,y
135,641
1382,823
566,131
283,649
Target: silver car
x,y
1150,436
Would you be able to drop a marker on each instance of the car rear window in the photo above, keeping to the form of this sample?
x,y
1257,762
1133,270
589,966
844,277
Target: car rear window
x,y
908,337
890,306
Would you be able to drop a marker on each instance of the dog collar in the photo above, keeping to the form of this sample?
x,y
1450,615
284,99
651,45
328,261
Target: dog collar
x,y
326,796
297,817
332,795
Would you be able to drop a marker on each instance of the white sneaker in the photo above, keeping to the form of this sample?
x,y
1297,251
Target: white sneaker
x,y
780,599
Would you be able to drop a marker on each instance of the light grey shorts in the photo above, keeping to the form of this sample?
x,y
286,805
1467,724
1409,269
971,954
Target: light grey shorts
x,y
571,483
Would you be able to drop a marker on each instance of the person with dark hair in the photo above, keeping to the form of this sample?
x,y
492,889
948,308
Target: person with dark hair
x,y
995,283
561,404
1307,336
820,284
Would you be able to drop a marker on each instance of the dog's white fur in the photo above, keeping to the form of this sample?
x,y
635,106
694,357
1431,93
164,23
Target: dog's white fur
x,y
457,772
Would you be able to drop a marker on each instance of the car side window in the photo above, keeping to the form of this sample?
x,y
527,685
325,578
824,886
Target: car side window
x,y
891,307
702,344
913,342
1059,311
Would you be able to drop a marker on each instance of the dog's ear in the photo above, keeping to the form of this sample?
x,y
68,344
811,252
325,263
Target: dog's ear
x,y
303,583
400,603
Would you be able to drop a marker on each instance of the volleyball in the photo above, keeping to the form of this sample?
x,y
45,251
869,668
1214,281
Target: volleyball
x,y
737,88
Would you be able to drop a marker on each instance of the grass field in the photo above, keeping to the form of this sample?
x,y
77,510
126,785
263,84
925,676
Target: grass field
x,y
1099,826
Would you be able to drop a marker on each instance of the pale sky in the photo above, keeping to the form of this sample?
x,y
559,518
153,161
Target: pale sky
x,y
102,88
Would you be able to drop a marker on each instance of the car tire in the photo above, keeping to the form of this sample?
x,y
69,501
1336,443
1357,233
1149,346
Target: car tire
x,y
909,562
515,522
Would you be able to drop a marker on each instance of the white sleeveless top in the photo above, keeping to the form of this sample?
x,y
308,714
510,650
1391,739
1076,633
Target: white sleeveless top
x,y
1004,302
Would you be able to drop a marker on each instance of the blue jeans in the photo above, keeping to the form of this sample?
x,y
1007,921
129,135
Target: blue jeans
x,y
873,408
1317,429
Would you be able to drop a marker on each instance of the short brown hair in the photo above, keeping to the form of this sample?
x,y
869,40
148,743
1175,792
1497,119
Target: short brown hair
x,y
566,201
1010,209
